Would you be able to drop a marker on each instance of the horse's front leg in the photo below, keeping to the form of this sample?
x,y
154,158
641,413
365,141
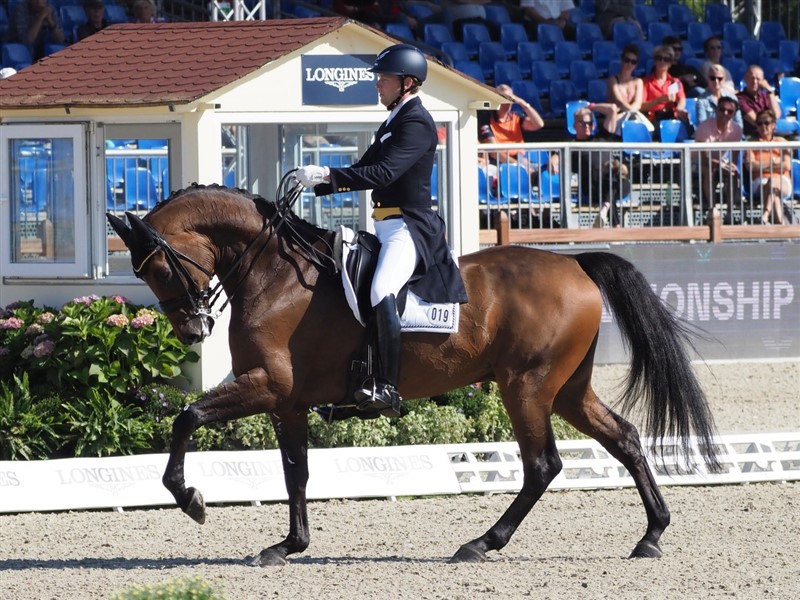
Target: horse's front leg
x,y
292,433
246,395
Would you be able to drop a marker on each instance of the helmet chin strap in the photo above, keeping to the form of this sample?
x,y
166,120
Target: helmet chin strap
x,y
403,91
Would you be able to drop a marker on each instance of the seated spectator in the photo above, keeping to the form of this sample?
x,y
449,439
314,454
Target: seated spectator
x,y
712,49
626,91
756,96
550,12
718,169
602,179
616,11
664,97
462,12
35,23
504,126
95,18
707,102
144,11
770,170
693,81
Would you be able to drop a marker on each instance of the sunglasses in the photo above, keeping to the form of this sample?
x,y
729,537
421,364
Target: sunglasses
x,y
764,123
586,123
630,61
662,58
712,78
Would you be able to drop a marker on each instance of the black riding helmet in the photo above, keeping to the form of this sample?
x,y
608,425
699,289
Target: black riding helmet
x,y
403,60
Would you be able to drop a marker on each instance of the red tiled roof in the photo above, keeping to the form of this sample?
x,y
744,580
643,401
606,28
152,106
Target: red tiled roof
x,y
158,63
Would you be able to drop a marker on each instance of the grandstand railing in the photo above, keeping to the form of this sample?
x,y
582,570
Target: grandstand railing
x,y
662,199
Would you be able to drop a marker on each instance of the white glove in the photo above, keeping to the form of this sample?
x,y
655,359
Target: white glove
x,y
312,175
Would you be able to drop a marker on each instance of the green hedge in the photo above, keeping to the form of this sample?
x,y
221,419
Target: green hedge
x,y
106,376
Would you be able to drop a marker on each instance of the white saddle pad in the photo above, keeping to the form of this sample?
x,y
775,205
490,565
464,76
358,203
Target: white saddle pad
x,y
419,315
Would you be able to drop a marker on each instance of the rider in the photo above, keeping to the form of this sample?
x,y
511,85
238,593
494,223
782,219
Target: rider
x,y
397,168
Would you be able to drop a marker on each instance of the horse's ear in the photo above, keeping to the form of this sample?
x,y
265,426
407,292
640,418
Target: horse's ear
x,y
141,232
122,229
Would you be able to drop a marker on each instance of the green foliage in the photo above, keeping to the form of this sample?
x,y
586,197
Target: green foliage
x,y
431,424
350,432
25,432
194,588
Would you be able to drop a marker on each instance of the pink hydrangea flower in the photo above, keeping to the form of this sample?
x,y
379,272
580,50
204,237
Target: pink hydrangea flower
x,y
44,348
34,329
142,320
86,300
11,323
45,317
117,321
119,299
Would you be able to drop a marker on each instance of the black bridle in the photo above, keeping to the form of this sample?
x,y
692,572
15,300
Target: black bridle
x,y
201,300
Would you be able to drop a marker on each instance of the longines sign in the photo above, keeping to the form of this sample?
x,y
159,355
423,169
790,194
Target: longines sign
x,y
338,80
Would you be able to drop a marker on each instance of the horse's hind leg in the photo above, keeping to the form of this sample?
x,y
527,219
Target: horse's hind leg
x,y
540,463
581,407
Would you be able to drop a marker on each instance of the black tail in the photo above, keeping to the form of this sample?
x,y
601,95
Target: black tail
x,y
660,375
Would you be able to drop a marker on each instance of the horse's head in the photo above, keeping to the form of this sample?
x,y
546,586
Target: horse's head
x,y
179,281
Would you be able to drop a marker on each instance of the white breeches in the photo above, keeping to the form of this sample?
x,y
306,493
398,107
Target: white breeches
x,y
396,260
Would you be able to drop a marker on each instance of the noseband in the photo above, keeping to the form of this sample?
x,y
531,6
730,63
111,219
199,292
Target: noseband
x,y
201,300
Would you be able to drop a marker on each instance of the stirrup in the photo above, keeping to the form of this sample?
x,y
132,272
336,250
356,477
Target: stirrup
x,y
378,396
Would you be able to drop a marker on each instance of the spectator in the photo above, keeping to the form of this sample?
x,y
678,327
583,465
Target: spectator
x,y
664,97
504,126
693,81
626,91
144,11
712,49
770,169
602,180
707,102
95,19
551,12
35,23
756,96
719,168
616,11
462,12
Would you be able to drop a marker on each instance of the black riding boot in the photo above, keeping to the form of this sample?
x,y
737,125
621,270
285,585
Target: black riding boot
x,y
379,392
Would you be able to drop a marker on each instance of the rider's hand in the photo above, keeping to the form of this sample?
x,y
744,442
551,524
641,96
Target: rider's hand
x,y
312,175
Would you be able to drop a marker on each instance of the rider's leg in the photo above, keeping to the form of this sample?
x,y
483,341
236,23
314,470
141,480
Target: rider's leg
x,y
396,263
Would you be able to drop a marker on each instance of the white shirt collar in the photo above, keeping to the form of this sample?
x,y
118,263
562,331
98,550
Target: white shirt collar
x,y
397,108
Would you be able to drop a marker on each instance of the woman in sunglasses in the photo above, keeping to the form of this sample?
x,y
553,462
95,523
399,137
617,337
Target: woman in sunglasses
x,y
626,90
664,96
770,170
707,102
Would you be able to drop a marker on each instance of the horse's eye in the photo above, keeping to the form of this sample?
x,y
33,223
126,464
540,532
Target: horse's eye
x,y
162,274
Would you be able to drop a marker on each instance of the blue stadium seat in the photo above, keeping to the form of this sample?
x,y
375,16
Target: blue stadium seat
x,y
71,16
753,52
485,194
457,51
115,13
789,55
796,178
772,67
548,36
17,56
581,72
624,33
588,9
698,33
789,94
565,54
691,108
418,10
662,8
474,34
506,71
602,54
597,91
673,131
528,91
717,14
549,186
542,73
527,54
511,35
645,14
471,68
488,54
736,67
497,14
435,34
735,34
514,183
400,31
679,16
140,189
656,32
561,92
771,33
586,35
787,127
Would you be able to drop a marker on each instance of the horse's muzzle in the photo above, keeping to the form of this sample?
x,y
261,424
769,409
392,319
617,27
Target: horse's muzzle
x,y
195,329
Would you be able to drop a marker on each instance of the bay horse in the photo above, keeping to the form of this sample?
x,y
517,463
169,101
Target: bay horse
x,y
531,325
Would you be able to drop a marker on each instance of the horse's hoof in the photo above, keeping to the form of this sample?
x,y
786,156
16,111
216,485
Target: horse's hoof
x,y
196,508
645,549
268,558
468,554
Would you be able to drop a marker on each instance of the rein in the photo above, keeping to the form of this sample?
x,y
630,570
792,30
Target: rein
x,y
202,301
